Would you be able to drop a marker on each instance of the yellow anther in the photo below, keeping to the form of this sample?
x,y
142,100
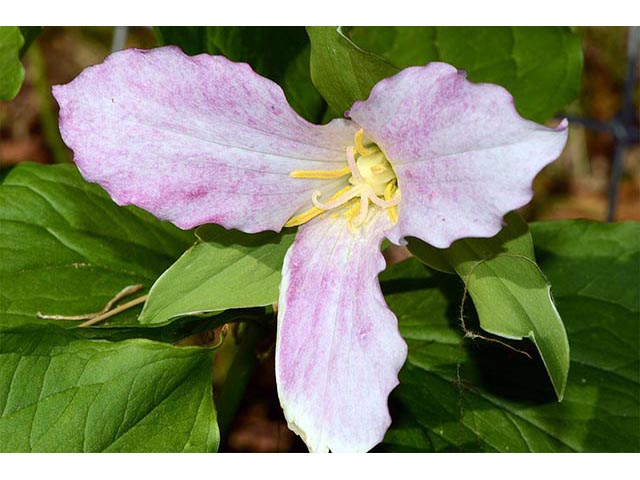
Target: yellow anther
x,y
313,212
321,174
303,217
388,195
353,211
372,184
389,191
393,214
362,150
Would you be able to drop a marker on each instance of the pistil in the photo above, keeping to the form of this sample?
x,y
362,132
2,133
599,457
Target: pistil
x,y
372,180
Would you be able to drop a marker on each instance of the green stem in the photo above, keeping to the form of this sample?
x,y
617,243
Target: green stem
x,y
48,118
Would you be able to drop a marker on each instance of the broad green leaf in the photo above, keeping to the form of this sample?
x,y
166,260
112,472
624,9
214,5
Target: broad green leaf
x,y
455,395
225,269
601,254
66,248
278,53
343,72
11,70
60,393
511,294
540,66
192,40
435,258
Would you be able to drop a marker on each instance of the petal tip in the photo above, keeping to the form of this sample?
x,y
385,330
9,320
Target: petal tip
x,y
563,125
59,93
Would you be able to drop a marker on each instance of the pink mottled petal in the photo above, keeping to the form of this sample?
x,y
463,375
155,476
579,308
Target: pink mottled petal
x,y
338,350
462,154
195,139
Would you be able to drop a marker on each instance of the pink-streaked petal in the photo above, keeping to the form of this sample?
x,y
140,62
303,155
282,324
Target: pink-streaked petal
x,y
462,154
338,350
195,139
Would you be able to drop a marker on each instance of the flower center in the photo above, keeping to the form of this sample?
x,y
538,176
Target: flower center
x,y
372,181
375,171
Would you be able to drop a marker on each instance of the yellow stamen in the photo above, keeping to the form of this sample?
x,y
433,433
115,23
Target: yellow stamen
x,y
313,212
389,190
388,195
303,217
320,174
393,214
372,184
362,150
353,211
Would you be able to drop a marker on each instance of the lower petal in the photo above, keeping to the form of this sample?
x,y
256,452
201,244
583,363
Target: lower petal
x,y
338,348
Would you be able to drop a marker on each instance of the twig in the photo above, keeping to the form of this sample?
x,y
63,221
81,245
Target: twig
x,y
125,292
115,311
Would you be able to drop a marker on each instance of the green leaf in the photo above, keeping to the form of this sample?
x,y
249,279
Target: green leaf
x,y
433,257
541,83
225,269
59,393
343,72
192,40
278,53
11,70
601,254
66,248
457,396
510,293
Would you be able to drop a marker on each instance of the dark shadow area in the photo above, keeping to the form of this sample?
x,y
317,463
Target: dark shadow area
x,y
260,426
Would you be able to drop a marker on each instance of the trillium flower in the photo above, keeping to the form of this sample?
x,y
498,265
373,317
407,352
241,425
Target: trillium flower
x,y
201,139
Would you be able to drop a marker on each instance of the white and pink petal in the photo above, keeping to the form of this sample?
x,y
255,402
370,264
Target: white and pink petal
x,y
462,154
338,349
195,139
